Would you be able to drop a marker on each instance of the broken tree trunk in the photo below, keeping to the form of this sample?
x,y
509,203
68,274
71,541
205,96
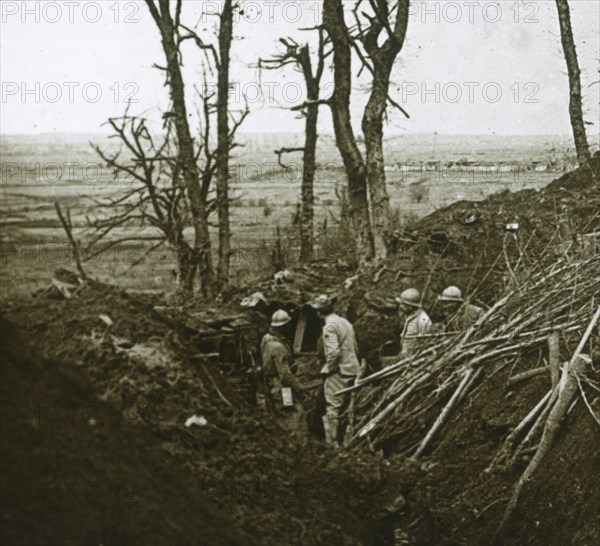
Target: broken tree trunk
x,y
505,452
553,423
567,389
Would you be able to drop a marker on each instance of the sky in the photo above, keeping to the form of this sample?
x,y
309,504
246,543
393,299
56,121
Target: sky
x,y
467,67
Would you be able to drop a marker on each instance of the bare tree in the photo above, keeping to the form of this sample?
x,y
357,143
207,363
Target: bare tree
x,y
219,57
153,210
300,57
156,195
575,103
382,41
358,204
225,37
377,37
169,27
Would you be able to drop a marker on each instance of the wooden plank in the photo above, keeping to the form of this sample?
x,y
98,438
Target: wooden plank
x,y
299,334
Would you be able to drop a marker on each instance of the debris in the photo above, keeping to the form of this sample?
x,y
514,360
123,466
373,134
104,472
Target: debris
x,y
253,300
106,320
378,274
196,420
284,276
349,282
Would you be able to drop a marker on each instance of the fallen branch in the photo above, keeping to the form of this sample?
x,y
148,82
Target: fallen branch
x,y
553,423
517,431
452,403
389,408
567,389
527,375
554,356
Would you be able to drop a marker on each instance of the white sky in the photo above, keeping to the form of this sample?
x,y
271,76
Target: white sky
x,y
56,57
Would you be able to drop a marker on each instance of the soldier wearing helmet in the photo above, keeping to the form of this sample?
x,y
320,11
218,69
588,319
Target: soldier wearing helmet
x,y
417,322
458,314
257,316
341,363
283,391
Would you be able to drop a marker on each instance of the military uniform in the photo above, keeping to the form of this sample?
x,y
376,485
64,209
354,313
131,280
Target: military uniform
x,y
411,339
464,318
340,369
276,359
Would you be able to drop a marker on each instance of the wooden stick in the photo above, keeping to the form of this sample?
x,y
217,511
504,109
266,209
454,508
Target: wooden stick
x,y
554,356
388,409
586,336
508,444
527,375
67,226
537,425
553,424
444,414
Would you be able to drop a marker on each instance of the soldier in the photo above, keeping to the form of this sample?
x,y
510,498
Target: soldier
x,y
256,313
283,392
341,363
417,322
458,315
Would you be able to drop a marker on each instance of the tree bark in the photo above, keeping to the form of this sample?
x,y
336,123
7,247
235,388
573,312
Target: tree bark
x,y
313,82
189,168
575,105
334,23
225,37
372,126
186,271
307,214
382,58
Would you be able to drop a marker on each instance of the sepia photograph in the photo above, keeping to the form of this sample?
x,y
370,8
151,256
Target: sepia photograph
x,y
300,273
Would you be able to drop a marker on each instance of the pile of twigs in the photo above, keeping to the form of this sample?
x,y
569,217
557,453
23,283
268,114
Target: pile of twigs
x,y
541,305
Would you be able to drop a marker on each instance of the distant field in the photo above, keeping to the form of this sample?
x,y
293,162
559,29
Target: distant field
x,y
264,196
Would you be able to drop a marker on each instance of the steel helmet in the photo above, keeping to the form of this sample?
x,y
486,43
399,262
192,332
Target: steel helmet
x,y
280,318
452,293
411,296
321,301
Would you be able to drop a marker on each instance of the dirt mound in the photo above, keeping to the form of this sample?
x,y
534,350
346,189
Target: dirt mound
x,y
460,503
76,472
473,244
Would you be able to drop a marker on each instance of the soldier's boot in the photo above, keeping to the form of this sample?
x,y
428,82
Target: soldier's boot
x,y
330,424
